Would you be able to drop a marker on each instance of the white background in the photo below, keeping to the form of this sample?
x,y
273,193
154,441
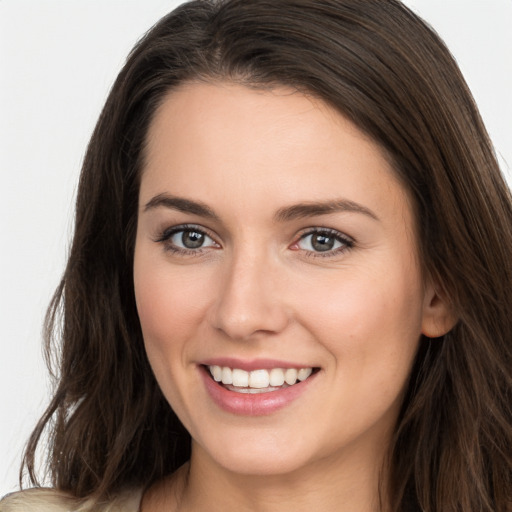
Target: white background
x,y
57,62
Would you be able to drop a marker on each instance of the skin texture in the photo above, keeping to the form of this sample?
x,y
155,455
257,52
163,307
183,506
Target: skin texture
x,y
257,289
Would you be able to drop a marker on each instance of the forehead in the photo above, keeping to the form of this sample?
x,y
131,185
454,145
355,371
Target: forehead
x,y
262,148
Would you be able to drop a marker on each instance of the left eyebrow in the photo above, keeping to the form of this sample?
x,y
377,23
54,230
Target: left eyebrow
x,y
312,209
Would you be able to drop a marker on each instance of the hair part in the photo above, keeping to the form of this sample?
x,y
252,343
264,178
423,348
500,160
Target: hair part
x,y
385,70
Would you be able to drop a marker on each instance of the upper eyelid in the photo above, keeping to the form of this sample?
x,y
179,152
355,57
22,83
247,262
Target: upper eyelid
x,y
330,231
167,232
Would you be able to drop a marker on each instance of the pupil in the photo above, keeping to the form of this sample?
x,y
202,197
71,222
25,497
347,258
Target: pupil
x,y
322,242
192,239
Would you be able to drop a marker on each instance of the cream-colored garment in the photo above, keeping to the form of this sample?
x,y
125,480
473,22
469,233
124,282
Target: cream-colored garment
x,y
48,500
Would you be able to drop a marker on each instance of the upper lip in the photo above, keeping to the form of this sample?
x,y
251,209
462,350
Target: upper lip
x,y
253,364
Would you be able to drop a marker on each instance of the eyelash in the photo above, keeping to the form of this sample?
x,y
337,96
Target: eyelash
x,y
346,242
165,239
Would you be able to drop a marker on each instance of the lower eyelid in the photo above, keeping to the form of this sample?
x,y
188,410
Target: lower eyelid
x,y
169,247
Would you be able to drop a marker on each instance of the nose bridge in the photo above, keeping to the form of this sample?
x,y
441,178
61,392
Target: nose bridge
x,y
249,301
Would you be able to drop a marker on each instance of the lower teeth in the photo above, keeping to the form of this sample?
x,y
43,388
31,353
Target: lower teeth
x,y
254,391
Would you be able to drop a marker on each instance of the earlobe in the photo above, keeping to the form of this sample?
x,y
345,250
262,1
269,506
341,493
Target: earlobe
x,y
438,314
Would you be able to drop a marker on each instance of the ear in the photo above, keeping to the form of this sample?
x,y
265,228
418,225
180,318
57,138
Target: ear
x,y
438,314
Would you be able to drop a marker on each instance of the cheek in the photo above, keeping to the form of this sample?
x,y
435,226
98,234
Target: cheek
x,y
364,318
170,302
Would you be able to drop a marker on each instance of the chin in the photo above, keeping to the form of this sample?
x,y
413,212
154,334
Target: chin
x,y
258,456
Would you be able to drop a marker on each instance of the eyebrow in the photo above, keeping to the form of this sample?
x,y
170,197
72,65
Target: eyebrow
x,y
296,211
312,209
181,204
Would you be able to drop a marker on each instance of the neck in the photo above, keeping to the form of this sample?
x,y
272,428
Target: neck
x,y
339,482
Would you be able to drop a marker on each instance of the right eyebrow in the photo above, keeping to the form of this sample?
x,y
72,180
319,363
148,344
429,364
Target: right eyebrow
x,y
181,204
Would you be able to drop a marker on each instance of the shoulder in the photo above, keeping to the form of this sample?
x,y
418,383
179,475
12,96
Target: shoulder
x,y
42,500
50,500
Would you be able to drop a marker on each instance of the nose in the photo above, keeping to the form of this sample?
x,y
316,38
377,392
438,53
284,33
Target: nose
x,y
250,301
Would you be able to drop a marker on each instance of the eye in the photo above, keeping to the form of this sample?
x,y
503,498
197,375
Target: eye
x,y
190,239
326,241
186,239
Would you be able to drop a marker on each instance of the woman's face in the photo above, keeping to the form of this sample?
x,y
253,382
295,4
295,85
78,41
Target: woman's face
x,y
274,242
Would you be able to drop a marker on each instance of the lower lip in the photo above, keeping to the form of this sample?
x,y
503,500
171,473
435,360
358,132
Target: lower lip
x,y
247,404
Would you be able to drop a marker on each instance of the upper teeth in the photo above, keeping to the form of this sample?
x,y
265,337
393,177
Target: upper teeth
x,y
259,378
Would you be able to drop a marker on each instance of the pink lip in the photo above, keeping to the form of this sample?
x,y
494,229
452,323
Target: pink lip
x,y
246,404
253,364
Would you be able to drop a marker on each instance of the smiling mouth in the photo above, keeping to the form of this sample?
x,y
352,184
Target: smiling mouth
x,y
258,381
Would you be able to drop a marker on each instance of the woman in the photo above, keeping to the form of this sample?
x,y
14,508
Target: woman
x,y
290,279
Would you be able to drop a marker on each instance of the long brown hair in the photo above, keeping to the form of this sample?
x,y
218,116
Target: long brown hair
x,y
384,69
